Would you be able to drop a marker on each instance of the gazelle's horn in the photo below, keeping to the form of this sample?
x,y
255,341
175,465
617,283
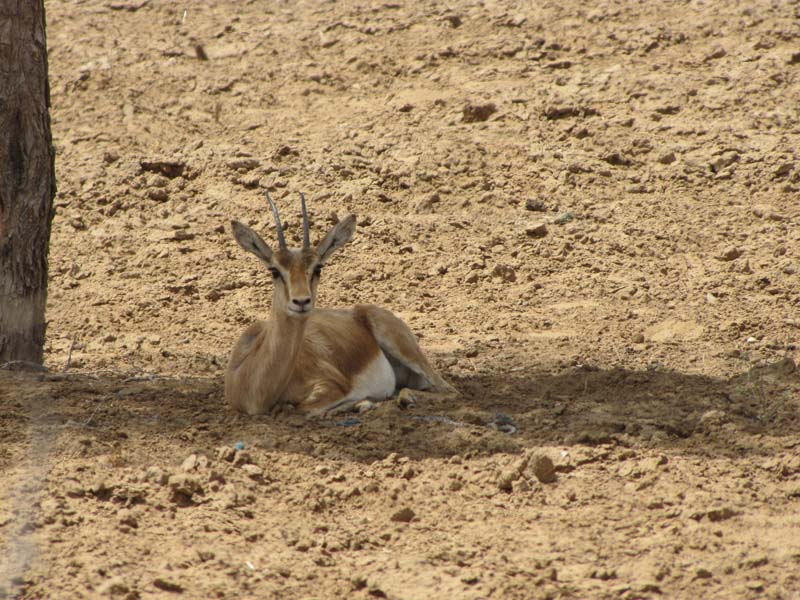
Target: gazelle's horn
x,y
278,226
306,236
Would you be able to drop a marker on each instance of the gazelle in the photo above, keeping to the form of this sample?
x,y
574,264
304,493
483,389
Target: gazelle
x,y
322,360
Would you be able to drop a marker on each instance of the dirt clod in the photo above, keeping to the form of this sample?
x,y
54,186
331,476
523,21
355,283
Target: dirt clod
x,y
474,113
721,514
404,515
167,585
541,466
536,230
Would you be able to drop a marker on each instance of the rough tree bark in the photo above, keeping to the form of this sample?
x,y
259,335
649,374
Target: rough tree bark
x,y
27,179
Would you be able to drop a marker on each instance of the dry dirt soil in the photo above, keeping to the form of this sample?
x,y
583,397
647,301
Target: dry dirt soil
x,y
588,212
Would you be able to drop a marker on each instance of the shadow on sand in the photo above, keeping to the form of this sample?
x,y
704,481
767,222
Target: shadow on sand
x,y
651,409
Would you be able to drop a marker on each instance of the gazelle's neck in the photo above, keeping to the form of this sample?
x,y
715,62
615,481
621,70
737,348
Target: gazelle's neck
x,y
285,340
286,326
271,363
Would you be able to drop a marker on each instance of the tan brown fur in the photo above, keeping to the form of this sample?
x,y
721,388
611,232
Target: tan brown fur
x,y
311,358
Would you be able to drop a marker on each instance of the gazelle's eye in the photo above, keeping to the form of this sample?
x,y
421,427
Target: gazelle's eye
x,y
275,272
318,270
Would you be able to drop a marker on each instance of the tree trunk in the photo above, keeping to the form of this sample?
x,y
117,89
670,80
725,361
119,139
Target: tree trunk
x,y
27,179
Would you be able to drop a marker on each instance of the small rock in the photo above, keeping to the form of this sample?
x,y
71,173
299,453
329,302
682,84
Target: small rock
x,y
702,573
617,160
536,230
205,555
721,514
200,52
653,464
754,563
404,515
167,585
535,205
783,169
454,20
506,478
566,111
158,194
542,468
564,218
245,164
667,159
474,113
156,475
521,485
730,253
167,167
668,109
157,181
427,204
763,211
128,519
723,161
711,298
505,272
638,338
253,471
604,574
189,463
77,223
184,487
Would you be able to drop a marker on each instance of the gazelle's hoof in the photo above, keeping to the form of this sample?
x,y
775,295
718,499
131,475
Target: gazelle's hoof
x,y
406,398
364,406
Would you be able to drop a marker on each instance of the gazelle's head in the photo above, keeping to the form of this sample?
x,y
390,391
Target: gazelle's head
x,y
296,272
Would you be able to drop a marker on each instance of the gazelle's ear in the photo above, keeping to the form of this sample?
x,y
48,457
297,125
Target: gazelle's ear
x,y
251,241
337,237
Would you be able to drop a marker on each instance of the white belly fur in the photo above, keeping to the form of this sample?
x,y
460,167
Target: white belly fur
x,y
376,382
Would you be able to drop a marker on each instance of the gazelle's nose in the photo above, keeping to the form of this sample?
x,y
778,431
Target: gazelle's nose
x,y
302,303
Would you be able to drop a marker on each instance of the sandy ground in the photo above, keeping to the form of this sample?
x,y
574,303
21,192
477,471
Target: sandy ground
x,y
588,214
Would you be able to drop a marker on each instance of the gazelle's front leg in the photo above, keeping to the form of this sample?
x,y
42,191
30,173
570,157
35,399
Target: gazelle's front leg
x,y
325,396
342,406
